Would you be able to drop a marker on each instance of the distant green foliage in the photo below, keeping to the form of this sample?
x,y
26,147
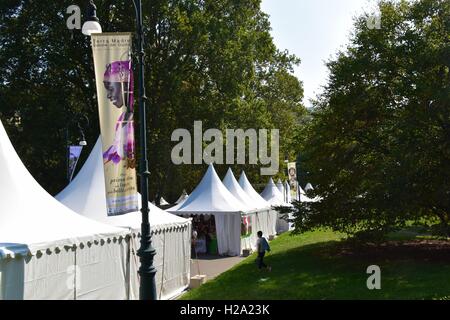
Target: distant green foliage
x,y
377,143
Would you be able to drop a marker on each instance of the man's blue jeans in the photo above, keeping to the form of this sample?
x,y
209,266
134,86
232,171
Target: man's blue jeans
x,y
261,260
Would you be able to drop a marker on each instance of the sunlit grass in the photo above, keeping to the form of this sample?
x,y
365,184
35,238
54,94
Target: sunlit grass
x,y
307,267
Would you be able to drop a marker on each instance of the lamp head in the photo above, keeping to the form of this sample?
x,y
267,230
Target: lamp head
x,y
92,24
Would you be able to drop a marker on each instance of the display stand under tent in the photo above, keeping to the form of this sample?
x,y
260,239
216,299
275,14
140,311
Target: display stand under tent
x,y
170,233
48,251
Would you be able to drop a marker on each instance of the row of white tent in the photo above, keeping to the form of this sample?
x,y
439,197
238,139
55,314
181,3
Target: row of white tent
x,y
68,248
72,250
230,201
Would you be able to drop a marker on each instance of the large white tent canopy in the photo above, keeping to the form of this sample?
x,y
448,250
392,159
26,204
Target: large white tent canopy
x,y
171,234
46,250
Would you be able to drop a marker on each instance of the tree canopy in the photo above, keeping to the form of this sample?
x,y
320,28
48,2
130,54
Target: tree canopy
x,y
213,61
377,145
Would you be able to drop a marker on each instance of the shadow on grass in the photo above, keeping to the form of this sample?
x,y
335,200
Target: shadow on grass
x,y
336,270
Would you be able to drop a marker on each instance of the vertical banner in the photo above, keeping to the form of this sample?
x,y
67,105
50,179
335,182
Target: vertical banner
x,y
292,172
74,155
114,80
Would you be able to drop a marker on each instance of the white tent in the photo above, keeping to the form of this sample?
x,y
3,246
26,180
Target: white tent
x,y
46,250
280,187
211,197
184,195
272,195
302,197
259,217
268,227
163,202
258,201
309,187
170,234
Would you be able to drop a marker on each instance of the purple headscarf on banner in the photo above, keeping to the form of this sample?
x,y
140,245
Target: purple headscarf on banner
x,y
118,81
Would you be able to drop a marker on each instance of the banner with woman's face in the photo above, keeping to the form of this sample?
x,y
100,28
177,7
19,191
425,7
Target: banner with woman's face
x,y
114,80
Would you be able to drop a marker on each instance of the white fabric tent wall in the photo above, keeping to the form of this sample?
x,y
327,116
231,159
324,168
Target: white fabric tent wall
x,y
170,234
272,195
46,250
213,198
263,222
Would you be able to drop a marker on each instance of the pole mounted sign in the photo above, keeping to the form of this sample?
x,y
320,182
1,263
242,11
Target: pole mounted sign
x,y
114,80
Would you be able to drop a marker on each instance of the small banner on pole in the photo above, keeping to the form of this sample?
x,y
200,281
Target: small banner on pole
x,y
114,80
74,155
292,171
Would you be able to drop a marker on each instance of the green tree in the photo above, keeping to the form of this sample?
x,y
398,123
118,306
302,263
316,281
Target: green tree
x,y
378,144
213,61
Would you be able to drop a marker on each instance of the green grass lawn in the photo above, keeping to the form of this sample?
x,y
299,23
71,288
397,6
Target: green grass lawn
x,y
323,265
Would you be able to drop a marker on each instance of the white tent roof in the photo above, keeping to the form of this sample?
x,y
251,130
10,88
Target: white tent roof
x,y
32,220
209,197
86,196
183,197
233,186
162,202
309,187
272,195
280,186
301,194
258,201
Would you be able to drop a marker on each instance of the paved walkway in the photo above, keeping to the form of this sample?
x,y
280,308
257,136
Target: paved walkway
x,y
212,265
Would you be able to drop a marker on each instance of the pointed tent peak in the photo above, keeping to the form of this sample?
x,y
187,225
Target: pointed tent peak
x,y
236,190
271,194
259,202
184,195
163,202
280,186
243,176
48,222
210,196
309,187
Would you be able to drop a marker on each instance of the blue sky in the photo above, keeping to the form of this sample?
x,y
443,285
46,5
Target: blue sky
x,y
314,30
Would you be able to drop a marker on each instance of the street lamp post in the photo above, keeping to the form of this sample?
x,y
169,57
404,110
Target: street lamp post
x,y
146,253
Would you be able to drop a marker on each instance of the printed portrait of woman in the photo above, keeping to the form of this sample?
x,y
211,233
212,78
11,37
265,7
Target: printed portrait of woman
x,y
118,82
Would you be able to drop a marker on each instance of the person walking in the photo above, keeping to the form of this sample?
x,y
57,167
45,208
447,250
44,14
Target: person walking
x,y
262,245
